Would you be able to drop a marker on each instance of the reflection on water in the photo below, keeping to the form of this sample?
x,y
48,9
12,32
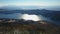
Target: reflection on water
x,y
30,17
24,16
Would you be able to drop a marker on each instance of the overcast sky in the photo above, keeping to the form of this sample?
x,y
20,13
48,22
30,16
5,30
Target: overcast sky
x,y
30,2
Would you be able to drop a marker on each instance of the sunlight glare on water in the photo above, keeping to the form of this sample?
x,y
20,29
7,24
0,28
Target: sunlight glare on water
x,y
30,17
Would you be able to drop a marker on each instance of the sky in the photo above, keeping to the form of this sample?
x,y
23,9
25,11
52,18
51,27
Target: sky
x,y
30,2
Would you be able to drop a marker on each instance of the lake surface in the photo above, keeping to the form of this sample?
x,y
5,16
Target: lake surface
x,y
19,15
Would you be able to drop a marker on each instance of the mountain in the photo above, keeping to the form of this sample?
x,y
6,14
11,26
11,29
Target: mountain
x,y
34,26
19,7
57,8
11,8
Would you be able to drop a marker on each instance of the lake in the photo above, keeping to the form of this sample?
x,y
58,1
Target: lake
x,y
19,16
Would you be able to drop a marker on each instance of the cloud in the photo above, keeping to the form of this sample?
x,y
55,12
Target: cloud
x,y
37,4
1,5
32,4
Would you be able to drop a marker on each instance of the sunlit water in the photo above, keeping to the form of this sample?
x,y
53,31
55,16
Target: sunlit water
x,y
26,17
30,17
23,16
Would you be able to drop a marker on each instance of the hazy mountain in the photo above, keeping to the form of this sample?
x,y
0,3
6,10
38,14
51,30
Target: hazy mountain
x,y
11,8
19,7
30,7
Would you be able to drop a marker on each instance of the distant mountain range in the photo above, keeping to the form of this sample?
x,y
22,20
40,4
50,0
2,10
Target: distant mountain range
x,y
30,7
